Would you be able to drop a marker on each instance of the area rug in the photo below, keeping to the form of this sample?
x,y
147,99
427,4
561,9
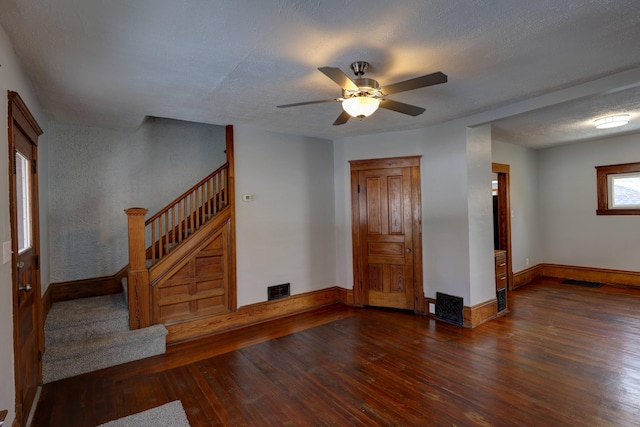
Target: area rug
x,y
170,415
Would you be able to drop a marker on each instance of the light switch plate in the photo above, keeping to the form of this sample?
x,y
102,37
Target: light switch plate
x,y
6,251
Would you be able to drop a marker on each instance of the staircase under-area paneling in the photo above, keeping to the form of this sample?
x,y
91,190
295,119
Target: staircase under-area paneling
x,y
198,285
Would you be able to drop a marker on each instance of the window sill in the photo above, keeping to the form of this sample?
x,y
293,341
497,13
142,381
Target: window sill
x,y
618,212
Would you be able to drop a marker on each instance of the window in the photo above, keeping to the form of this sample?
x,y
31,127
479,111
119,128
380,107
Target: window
x,y
23,187
618,189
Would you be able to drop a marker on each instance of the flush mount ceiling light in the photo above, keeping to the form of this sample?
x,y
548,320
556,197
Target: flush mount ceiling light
x,y
360,106
612,121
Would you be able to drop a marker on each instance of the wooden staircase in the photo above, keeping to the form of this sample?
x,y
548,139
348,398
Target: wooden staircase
x,y
180,259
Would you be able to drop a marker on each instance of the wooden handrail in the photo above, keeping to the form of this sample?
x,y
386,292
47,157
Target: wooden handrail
x,y
186,214
189,191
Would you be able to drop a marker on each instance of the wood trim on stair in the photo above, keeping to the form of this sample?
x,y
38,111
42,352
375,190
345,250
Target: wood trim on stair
x,y
84,288
255,313
231,188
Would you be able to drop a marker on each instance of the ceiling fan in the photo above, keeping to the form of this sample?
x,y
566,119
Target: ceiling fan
x,y
362,97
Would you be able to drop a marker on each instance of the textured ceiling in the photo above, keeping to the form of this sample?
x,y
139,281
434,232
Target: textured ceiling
x,y
111,63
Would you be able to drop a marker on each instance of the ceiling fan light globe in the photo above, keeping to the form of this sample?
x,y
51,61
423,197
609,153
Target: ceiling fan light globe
x,y
360,106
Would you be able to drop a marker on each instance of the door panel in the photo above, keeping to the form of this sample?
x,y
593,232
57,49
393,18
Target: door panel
x,y
387,257
27,306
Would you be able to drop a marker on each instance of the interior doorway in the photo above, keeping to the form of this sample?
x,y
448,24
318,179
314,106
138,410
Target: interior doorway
x,y
502,215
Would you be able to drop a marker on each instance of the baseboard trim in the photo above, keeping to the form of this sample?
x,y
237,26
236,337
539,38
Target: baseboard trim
x,y
473,316
524,277
47,302
480,313
85,288
256,313
589,274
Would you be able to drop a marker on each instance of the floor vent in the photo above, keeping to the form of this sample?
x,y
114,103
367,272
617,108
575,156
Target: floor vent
x,y
502,299
449,308
278,291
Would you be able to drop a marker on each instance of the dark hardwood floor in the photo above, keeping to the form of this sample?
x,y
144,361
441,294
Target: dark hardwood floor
x,y
564,356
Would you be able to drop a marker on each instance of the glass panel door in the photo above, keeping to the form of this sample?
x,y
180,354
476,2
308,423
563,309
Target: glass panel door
x,y
23,202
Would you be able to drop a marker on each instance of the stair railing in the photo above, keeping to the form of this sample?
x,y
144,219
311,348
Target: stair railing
x,y
185,215
151,240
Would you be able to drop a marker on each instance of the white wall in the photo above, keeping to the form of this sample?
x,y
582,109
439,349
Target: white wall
x,y
98,173
525,224
448,161
13,78
480,202
286,234
572,233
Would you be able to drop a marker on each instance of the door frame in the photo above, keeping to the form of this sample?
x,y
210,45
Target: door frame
x,y
504,215
416,217
19,115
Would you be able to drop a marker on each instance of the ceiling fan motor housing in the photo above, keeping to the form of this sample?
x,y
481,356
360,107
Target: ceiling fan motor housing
x,y
366,87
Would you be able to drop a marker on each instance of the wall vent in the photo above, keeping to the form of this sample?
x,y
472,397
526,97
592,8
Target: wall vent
x,y
278,291
502,298
449,308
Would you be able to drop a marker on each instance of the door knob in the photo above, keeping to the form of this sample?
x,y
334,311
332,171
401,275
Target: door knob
x,y
408,250
25,288
20,264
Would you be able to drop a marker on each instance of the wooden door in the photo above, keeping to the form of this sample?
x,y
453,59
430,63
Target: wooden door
x,y
27,305
386,229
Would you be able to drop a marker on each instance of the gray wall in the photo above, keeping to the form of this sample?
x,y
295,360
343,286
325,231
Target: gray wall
x,y
98,173
286,234
572,233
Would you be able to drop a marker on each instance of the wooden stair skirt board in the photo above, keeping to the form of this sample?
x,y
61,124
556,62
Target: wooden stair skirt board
x,y
589,274
256,313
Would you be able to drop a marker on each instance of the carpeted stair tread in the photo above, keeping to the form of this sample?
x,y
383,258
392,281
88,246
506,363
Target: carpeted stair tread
x,y
92,359
88,334
76,348
86,311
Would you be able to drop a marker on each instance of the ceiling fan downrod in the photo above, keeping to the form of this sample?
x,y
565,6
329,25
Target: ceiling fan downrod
x,y
359,67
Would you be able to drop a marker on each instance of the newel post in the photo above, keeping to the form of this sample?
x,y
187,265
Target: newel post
x,y
138,274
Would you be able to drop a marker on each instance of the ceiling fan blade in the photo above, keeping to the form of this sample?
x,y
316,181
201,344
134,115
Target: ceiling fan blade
x,y
308,103
401,107
342,119
418,82
338,76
